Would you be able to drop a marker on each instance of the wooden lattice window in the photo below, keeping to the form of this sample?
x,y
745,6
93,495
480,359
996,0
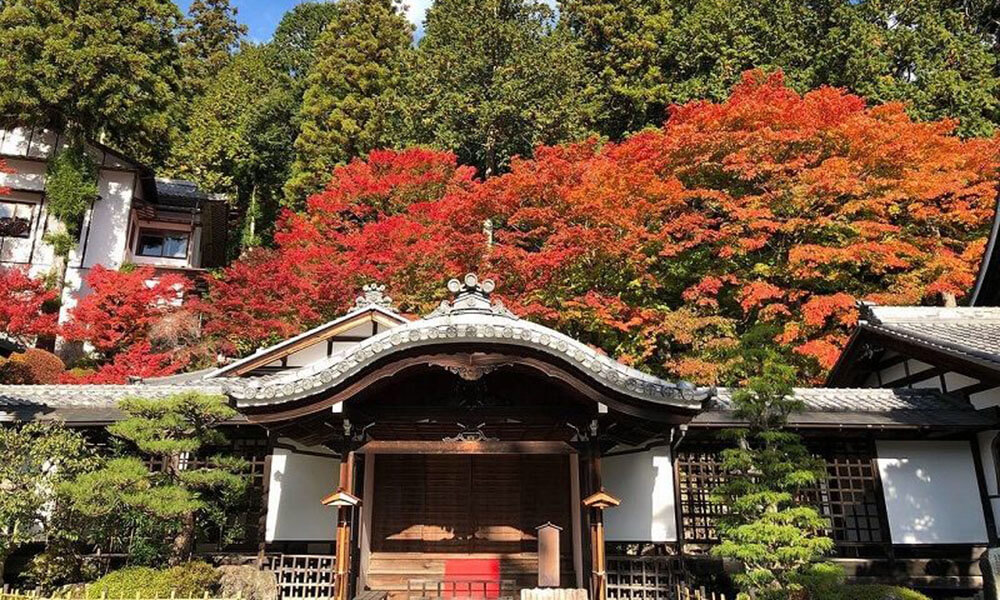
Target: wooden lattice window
x,y
698,472
642,577
848,497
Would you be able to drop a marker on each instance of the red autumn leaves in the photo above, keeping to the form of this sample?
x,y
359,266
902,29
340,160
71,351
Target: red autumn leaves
x,y
765,215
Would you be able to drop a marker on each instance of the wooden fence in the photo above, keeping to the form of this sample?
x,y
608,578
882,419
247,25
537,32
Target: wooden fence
x,y
689,593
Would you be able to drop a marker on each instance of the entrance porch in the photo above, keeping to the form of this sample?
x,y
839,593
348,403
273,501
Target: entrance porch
x,y
458,436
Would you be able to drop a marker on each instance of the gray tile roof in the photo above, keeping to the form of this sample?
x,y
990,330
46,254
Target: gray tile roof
x,y
865,407
178,188
80,403
967,332
182,193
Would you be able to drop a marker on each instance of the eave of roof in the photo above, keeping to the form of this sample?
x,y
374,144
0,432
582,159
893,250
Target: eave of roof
x,y
469,328
986,292
83,404
864,407
963,339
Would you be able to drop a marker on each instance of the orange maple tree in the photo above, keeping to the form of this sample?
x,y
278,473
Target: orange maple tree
x,y
758,220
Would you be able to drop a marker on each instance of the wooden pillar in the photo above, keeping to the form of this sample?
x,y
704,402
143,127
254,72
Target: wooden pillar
x,y
345,501
596,503
984,496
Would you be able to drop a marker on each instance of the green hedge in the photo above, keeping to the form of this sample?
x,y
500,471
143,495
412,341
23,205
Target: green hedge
x,y
189,580
879,592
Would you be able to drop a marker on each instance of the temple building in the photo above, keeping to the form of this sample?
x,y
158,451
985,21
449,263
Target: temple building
x,y
472,447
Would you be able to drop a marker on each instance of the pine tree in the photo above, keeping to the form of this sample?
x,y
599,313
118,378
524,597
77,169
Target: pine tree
x,y
172,434
108,69
208,39
495,78
767,525
352,102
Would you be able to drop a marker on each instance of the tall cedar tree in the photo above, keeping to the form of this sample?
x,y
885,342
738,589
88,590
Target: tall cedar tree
x,y
770,209
241,137
297,33
927,53
766,523
352,103
208,38
648,54
495,78
110,70
176,481
34,460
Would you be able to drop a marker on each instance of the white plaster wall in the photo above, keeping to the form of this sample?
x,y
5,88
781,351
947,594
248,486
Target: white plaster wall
x,y
298,483
107,230
27,175
645,483
931,492
308,355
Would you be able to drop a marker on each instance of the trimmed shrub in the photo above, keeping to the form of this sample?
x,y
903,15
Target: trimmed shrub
x,y
128,582
188,580
43,366
879,592
191,579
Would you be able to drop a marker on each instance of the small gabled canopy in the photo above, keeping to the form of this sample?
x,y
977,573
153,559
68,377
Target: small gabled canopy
x,y
962,339
373,306
469,337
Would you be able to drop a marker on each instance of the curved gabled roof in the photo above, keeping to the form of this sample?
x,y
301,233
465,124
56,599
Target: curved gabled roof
x,y
471,320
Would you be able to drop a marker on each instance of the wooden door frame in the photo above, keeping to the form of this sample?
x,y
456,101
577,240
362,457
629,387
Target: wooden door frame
x,y
373,448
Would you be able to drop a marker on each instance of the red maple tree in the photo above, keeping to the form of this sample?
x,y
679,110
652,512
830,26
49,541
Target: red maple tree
x,y
24,306
758,220
117,317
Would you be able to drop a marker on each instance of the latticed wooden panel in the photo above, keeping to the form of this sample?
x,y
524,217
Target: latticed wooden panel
x,y
308,576
643,577
848,497
698,472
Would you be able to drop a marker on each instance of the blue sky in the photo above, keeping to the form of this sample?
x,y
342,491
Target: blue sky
x,y
262,16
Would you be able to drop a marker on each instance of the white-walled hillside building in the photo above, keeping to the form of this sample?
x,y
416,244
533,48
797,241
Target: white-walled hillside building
x,y
136,217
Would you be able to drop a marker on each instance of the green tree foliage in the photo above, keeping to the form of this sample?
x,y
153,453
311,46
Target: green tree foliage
x,y
209,37
647,54
927,53
106,68
240,139
495,78
170,433
34,460
298,31
352,102
766,527
70,186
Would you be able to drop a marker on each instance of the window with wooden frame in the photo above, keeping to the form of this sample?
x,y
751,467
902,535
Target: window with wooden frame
x,y
848,497
162,243
15,218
